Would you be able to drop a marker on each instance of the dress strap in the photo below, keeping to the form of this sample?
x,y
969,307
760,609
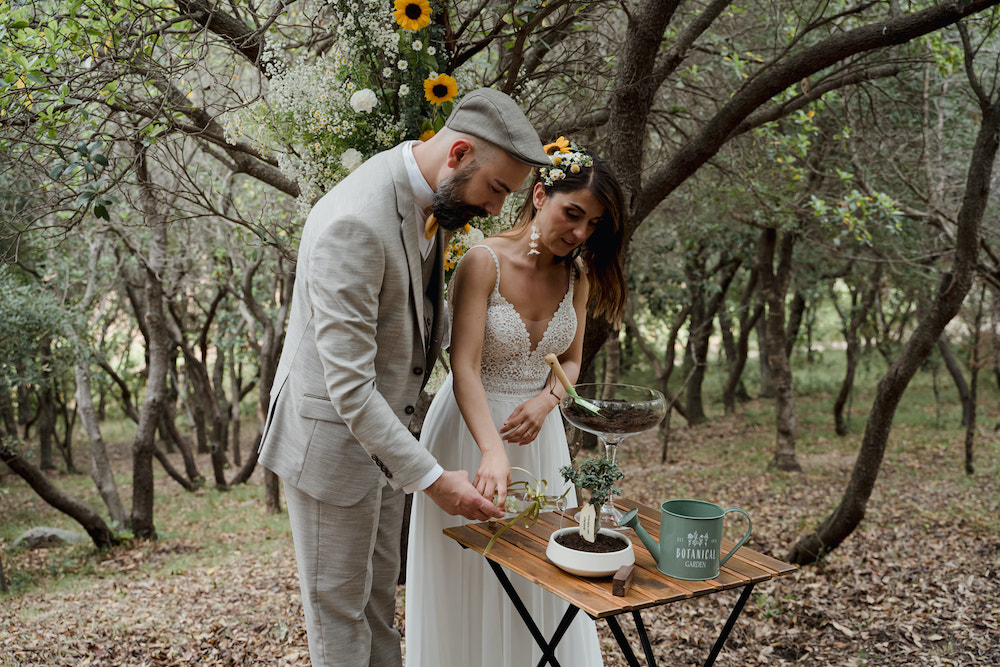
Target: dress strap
x,y
496,260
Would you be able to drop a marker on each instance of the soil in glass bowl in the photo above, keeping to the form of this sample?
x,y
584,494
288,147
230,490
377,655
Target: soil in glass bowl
x,y
604,544
616,416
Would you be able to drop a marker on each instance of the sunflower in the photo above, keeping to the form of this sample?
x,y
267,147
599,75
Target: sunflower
x,y
440,90
412,14
427,134
560,145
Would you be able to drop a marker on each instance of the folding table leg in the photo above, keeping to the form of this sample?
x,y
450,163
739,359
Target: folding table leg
x,y
548,648
616,630
647,648
744,596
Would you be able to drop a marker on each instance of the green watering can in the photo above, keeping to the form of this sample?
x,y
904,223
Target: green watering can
x,y
690,538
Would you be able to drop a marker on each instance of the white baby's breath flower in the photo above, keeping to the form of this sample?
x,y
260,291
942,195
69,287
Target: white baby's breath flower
x,y
432,75
404,90
431,51
417,45
402,65
364,100
351,159
387,72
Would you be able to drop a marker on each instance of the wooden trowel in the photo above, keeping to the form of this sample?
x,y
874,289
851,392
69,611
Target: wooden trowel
x,y
553,362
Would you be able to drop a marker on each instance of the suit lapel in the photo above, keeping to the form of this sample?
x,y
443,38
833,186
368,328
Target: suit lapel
x,y
411,243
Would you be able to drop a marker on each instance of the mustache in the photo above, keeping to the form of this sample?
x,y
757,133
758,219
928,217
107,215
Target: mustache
x,y
452,216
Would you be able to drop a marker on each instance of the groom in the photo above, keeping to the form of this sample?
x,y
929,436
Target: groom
x,y
363,335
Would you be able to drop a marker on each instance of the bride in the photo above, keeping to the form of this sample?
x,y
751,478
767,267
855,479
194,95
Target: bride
x,y
514,298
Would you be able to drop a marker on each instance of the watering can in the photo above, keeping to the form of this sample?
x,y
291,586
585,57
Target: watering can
x,y
690,538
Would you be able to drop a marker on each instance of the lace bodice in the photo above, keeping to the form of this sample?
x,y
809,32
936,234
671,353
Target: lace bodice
x,y
509,365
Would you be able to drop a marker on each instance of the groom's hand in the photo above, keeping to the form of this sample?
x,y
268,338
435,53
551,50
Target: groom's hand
x,y
455,495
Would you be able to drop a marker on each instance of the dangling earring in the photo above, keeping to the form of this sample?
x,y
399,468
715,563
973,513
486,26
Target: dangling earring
x,y
533,243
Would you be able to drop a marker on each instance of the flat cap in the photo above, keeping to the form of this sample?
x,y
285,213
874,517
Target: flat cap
x,y
491,115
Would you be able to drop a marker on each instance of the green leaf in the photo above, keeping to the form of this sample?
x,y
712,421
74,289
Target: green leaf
x,y
57,171
101,212
99,159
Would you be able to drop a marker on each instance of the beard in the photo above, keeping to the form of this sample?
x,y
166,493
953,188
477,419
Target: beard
x,y
449,205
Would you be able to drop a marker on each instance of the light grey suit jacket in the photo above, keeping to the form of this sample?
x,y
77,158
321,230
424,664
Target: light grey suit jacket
x,y
357,350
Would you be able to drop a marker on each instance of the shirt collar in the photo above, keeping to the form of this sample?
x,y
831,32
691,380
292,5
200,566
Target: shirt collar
x,y
423,195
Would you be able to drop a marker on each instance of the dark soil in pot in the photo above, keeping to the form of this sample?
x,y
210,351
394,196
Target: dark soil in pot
x,y
604,544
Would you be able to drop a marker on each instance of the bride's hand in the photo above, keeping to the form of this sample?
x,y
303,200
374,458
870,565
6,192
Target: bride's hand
x,y
493,475
523,425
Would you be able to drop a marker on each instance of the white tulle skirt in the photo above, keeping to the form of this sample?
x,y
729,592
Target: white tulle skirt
x,y
457,614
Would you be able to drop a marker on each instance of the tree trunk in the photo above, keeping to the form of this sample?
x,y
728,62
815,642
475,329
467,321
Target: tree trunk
x,y
247,470
774,286
850,331
957,376
171,471
170,434
3,578
236,382
736,358
764,366
851,510
46,409
68,417
699,335
970,426
100,467
796,312
734,388
267,350
272,492
158,348
612,359
99,532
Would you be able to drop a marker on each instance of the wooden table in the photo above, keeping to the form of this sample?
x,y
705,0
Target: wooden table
x,y
522,550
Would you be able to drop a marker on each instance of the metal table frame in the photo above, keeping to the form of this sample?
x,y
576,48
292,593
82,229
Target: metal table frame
x,y
548,647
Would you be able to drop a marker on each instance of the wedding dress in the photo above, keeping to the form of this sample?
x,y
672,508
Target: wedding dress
x,y
457,614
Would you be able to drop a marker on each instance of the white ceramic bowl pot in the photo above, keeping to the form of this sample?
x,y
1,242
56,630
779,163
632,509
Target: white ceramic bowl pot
x,y
589,564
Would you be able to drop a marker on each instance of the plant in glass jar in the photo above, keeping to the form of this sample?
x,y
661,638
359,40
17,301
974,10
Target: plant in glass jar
x,y
533,500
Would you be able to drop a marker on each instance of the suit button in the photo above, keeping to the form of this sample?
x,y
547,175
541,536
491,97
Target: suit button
x,y
409,409
417,370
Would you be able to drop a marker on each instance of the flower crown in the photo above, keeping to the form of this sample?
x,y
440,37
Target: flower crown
x,y
565,156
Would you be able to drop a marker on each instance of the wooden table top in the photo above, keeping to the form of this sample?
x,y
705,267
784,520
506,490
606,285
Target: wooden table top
x,y
522,550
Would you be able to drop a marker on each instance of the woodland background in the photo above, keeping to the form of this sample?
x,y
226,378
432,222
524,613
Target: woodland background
x,y
813,266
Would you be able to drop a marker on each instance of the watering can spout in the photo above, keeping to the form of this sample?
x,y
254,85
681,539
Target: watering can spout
x,y
631,520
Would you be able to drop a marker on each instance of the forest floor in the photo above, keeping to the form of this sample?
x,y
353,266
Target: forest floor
x,y
918,583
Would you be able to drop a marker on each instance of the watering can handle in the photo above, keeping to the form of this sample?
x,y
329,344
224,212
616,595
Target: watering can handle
x,y
745,537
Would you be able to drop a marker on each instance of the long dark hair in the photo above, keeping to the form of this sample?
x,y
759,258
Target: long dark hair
x,y
602,253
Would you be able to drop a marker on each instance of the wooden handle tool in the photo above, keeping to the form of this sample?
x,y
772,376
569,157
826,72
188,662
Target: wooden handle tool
x,y
560,374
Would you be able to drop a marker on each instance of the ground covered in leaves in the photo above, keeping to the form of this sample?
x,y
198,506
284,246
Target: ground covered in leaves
x,y
917,584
